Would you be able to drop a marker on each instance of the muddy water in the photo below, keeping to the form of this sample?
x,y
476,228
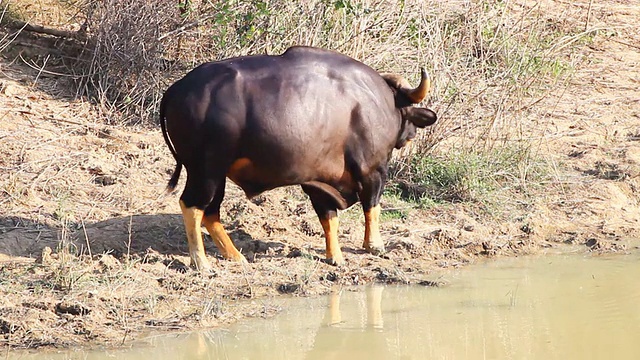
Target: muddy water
x,y
553,307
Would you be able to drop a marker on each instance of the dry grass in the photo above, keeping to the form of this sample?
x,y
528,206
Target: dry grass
x,y
490,61
121,63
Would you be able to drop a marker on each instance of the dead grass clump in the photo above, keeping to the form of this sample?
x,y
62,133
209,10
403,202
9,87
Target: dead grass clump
x,y
7,37
497,65
121,64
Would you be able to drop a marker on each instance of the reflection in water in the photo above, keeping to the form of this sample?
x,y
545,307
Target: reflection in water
x,y
352,339
560,307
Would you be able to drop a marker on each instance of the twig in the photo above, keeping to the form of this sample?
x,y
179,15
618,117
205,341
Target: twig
x,y
40,71
98,127
66,121
86,238
624,43
534,102
586,24
126,332
185,27
51,72
43,30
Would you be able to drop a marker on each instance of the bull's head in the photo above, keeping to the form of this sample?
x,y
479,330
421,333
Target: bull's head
x,y
405,98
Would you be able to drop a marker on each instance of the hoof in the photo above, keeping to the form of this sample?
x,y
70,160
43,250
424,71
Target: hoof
x,y
201,265
376,250
335,261
209,273
237,258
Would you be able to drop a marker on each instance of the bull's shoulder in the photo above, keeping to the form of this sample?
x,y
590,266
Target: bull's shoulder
x,y
300,50
218,68
332,63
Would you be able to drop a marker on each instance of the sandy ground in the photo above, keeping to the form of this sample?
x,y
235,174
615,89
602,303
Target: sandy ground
x,y
93,252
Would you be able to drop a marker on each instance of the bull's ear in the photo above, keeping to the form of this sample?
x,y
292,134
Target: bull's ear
x,y
420,117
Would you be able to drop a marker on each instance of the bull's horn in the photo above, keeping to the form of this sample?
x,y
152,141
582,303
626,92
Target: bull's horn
x,y
418,94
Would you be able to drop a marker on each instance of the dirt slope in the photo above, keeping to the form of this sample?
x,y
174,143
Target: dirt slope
x,y
594,132
68,181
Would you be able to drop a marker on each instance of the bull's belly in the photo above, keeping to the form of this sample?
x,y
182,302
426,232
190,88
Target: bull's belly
x,y
255,180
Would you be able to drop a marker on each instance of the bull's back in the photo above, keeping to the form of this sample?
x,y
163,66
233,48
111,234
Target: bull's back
x,y
295,128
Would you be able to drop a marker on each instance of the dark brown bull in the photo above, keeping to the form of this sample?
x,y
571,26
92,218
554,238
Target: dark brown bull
x,y
308,117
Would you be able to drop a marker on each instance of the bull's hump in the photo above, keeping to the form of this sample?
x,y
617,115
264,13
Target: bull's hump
x,y
312,51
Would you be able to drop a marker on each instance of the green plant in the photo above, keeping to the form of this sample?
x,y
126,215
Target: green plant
x,y
393,214
467,176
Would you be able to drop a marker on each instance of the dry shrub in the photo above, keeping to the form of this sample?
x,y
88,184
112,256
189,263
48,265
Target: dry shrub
x,y
121,65
6,37
397,36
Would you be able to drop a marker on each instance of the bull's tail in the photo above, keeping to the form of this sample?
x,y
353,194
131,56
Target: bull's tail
x,y
173,182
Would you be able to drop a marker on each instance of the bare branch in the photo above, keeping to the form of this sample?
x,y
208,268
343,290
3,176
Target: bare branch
x,y
43,30
185,27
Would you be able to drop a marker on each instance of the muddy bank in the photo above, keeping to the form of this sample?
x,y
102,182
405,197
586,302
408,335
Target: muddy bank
x,y
113,296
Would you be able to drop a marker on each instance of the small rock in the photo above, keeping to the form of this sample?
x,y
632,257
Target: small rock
x,y
592,243
73,309
331,276
430,283
258,200
105,180
288,288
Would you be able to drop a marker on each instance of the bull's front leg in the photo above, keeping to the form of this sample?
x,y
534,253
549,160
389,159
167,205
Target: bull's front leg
x,y
372,239
370,198
327,212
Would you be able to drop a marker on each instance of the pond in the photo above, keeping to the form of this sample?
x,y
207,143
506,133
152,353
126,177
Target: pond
x,y
545,307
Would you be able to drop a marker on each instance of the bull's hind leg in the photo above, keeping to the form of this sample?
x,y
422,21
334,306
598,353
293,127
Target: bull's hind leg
x,y
199,193
370,198
211,221
192,216
326,209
